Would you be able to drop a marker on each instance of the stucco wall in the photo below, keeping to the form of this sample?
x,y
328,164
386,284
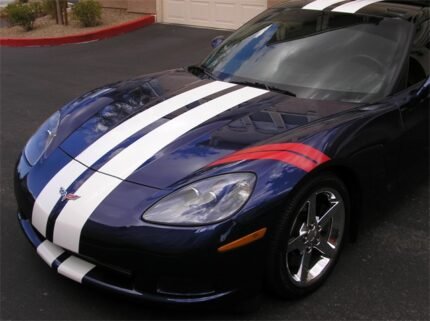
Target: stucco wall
x,y
139,6
122,4
273,2
147,6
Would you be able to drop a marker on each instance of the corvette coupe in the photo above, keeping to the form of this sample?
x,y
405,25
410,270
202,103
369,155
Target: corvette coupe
x,y
254,167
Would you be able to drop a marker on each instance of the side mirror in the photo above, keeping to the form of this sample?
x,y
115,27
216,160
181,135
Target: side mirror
x,y
217,41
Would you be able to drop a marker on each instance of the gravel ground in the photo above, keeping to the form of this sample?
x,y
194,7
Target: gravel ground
x,y
47,27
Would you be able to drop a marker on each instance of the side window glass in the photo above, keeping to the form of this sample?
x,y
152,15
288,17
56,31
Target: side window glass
x,y
419,60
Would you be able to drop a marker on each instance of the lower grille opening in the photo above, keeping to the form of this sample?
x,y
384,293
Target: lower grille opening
x,y
116,269
188,287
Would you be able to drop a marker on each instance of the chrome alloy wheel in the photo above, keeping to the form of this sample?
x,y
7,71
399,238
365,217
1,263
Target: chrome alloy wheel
x,y
315,237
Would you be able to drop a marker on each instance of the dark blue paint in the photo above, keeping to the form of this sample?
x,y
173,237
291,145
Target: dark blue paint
x,y
45,170
372,143
253,122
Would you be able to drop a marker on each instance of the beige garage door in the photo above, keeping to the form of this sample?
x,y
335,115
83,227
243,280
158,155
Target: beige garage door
x,y
225,14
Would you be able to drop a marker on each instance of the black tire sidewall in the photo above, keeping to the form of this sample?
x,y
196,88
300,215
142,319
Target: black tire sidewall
x,y
277,274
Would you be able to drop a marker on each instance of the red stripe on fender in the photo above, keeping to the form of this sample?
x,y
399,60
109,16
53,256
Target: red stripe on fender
x,y
282,156
305,150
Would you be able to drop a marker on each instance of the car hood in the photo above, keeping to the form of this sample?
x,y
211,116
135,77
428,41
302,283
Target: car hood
x,y
257,119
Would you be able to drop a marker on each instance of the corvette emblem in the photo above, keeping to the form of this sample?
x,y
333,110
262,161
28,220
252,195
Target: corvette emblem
x,y
68,196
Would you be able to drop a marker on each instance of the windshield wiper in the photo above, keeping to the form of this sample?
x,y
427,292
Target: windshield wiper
x,y
264,86
200,70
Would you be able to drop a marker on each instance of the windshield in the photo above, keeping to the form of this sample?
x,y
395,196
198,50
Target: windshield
x,y
315,54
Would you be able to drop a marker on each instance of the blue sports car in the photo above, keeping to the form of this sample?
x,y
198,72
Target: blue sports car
x,y
254,167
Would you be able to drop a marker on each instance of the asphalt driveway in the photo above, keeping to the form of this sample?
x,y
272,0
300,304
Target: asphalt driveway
x,y
384,275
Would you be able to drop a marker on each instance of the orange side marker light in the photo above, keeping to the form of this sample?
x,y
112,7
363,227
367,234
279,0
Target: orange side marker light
x,y
243,240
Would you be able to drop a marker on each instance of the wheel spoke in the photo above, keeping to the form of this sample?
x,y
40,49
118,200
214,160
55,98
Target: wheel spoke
x,y
312,209
325,218
326,249
315,235
305,262
297,244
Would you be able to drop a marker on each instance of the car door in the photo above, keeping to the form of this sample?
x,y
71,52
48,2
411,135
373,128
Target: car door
x,y
414,105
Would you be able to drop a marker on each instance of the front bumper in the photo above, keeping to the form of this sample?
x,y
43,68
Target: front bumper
x,y
151,263
120,282
156,264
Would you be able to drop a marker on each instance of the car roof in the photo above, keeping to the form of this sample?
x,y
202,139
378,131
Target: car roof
x,y
403,9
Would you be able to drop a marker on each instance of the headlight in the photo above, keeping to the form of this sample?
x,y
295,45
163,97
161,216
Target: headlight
x,y
40,141
207,201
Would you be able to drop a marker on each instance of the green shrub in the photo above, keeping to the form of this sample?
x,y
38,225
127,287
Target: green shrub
x,y
88,12
38,9
22,15
50,8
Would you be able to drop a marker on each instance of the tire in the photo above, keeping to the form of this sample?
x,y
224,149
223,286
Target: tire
x,y
304,247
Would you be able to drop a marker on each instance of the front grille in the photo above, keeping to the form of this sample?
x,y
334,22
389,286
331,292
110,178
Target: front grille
x,y
113,268
184,286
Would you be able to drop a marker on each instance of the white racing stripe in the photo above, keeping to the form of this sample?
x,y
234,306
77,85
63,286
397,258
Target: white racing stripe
x,y
50,195
75,268
69,224
49,252
130,127
321,4
354,6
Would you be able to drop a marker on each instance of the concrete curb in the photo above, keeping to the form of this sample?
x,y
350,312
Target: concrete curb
x,y
82,37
